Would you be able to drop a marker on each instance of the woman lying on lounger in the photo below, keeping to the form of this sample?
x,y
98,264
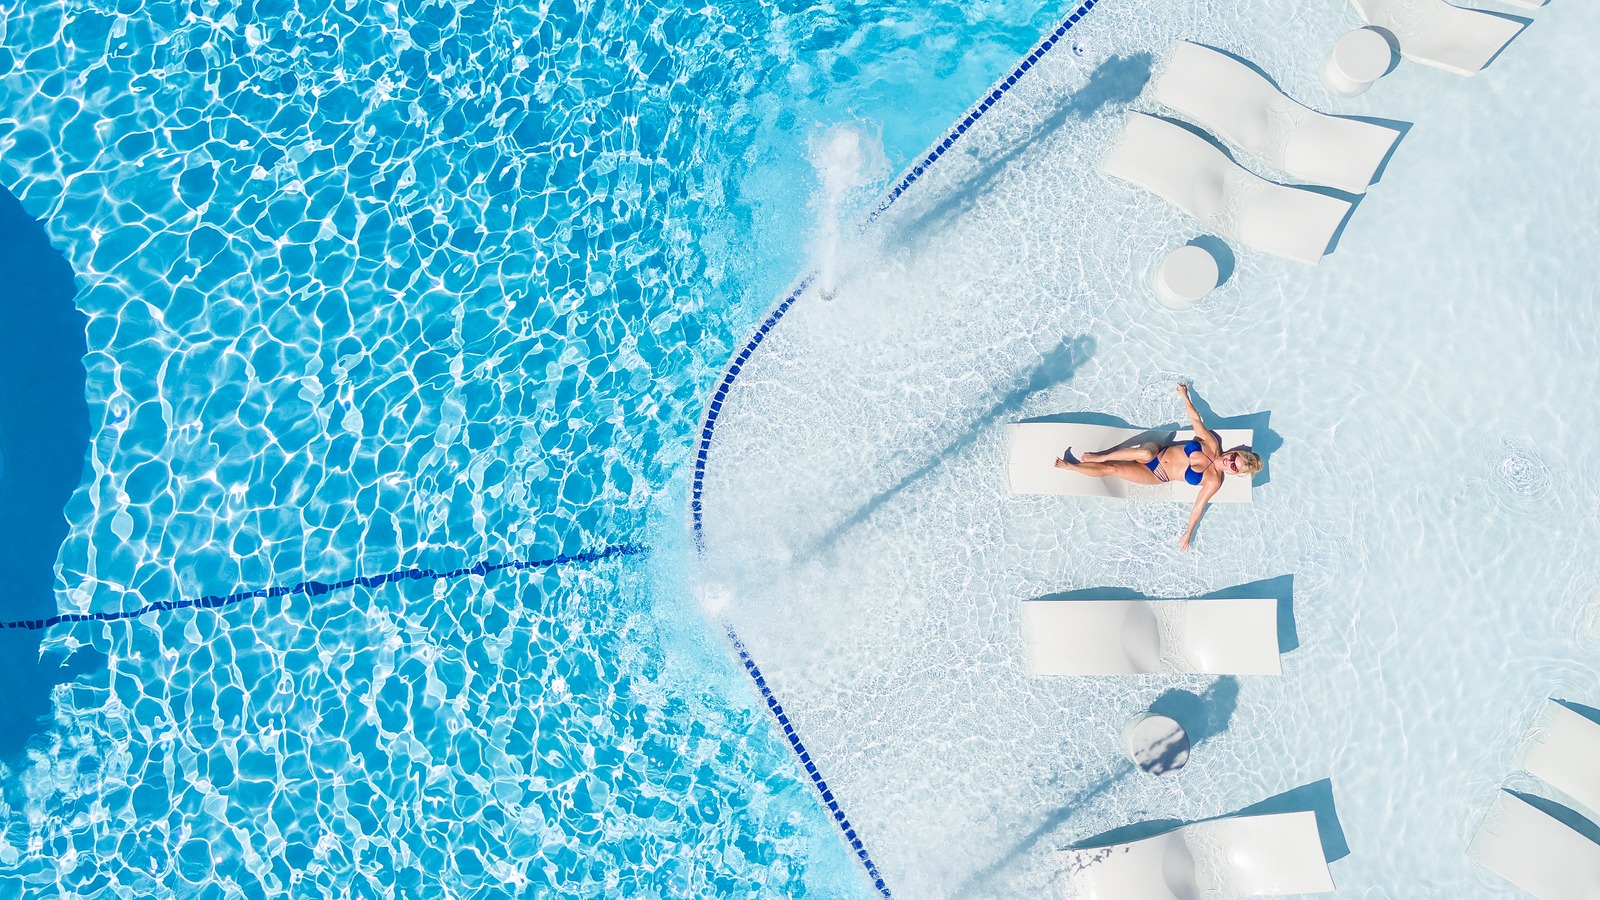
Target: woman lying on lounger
x,y
1199,462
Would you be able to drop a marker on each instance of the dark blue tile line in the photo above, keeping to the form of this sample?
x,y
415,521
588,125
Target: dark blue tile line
x,y
984,105
708,424
811,767
318,588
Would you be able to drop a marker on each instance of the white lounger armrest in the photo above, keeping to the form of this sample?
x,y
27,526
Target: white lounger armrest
x,y
1435,33
1198,178
1236,856
1033,447
1244,108
1536,852
1142,637
1564,751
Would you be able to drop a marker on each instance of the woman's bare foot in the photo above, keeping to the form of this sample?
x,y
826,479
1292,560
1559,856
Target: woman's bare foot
x,y
1066,461
1090,457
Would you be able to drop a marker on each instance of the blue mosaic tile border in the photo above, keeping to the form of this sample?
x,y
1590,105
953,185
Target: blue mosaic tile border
x,y
708,423
318,588
982,106
817,780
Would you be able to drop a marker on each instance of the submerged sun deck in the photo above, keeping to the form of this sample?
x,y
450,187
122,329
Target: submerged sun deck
x,y
862,538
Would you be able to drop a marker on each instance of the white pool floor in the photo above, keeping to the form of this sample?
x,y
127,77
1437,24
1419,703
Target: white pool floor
x,y
1432,383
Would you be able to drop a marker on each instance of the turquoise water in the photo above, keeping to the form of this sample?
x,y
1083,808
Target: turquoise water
x,y
421,284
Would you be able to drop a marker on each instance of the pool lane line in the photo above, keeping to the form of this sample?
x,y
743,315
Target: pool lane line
x,y
319,588
708,422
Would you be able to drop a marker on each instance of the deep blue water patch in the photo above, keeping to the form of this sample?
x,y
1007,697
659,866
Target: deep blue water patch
x,y
320,588
708,423
44,441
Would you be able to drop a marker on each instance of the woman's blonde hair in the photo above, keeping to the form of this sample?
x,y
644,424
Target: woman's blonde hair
x,y
1249,462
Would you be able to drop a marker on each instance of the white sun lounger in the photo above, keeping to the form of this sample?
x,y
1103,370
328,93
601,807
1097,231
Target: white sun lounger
x,y
1536,852
1238,856
1140,637
1198,178
1435,33
1243,108
1033,447
1564,751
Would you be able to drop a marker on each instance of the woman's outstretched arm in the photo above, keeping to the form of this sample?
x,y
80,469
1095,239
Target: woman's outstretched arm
x,y
1207,438
1208,489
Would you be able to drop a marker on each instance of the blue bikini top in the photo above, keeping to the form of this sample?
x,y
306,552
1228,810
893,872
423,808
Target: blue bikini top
x,y
1190,475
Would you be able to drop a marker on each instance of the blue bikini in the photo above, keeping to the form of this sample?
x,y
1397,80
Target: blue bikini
x,y
1190,475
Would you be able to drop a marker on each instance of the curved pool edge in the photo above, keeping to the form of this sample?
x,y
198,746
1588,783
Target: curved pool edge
x,y
775,314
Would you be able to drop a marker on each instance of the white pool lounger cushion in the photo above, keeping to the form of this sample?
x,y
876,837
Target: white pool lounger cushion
x,y
1564,751
1140,637
1033,447
1238,856
1244,108
1536,851
1435,33
1198,178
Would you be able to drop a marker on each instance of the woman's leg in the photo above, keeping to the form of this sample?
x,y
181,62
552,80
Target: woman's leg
x,y
1127,470
1139,453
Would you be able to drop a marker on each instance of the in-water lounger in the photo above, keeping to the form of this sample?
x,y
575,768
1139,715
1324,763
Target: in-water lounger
x,y
1033,447
1198,178
1237,856
1137,637
1535,851
1435,33
1244,108
1564,751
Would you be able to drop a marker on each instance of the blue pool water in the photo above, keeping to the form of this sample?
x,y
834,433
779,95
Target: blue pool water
x,y
396,285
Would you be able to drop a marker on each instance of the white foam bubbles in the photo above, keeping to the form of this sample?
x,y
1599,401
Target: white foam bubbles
x,y
848,158
713,597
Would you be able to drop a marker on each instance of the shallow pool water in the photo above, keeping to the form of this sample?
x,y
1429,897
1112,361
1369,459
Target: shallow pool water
x,y
1427,512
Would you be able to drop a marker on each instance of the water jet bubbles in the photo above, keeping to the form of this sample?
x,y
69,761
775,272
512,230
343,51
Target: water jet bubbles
x,y
713,597
848,158
1521,480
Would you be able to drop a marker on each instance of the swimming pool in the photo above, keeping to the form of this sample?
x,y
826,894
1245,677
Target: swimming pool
x,y
382,192
389,286
1423,389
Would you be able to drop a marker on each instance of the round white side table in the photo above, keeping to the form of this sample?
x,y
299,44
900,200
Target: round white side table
x,y
1358,59
1187,274
1158,745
